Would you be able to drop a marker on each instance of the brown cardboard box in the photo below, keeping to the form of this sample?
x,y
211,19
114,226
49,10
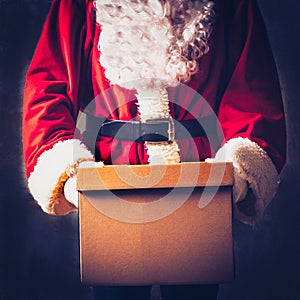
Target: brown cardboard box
x,y
156,224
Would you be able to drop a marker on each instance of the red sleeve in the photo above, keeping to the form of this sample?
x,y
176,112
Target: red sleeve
x,y
252,106
51,100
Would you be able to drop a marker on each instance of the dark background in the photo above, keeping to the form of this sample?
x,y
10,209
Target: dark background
x,y
39,253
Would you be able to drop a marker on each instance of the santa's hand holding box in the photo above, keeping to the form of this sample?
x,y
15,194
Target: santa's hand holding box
x,y
136,60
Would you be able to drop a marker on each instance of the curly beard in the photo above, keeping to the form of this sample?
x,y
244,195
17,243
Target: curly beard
x,y
153,42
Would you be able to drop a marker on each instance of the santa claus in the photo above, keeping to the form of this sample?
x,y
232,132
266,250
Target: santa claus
x,y
135,59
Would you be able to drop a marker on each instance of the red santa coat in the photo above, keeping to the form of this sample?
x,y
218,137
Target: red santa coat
x,y
237,78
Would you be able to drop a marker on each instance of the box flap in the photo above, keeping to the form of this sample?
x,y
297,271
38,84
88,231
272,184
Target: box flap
x,y
116,177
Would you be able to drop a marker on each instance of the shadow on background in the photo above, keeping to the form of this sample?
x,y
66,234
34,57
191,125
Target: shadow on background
x,y
268,255
39,253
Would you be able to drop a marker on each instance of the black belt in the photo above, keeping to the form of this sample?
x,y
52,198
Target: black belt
x,y
153,130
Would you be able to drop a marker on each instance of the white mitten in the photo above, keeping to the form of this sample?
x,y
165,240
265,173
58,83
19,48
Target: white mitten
x,y
255,177
70,191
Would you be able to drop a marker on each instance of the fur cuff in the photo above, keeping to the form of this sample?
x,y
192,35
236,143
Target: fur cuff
x,y
46,182
253,168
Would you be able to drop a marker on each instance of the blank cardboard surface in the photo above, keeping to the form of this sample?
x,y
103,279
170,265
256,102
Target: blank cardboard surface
x,y
140,246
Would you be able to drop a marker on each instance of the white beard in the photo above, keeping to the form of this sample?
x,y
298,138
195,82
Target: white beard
x,y
137,41
133,43
134,46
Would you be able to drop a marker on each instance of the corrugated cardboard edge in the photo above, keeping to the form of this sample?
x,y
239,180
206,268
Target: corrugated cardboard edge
x,y
155,176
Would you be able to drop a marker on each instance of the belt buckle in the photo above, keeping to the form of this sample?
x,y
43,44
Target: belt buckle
x,y
171,127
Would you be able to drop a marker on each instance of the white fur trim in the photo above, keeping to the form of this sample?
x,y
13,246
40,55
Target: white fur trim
x,y
154,104
51,164
163,153
252,167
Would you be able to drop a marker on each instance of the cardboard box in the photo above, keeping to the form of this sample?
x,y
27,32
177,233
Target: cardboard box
x,y
156,224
